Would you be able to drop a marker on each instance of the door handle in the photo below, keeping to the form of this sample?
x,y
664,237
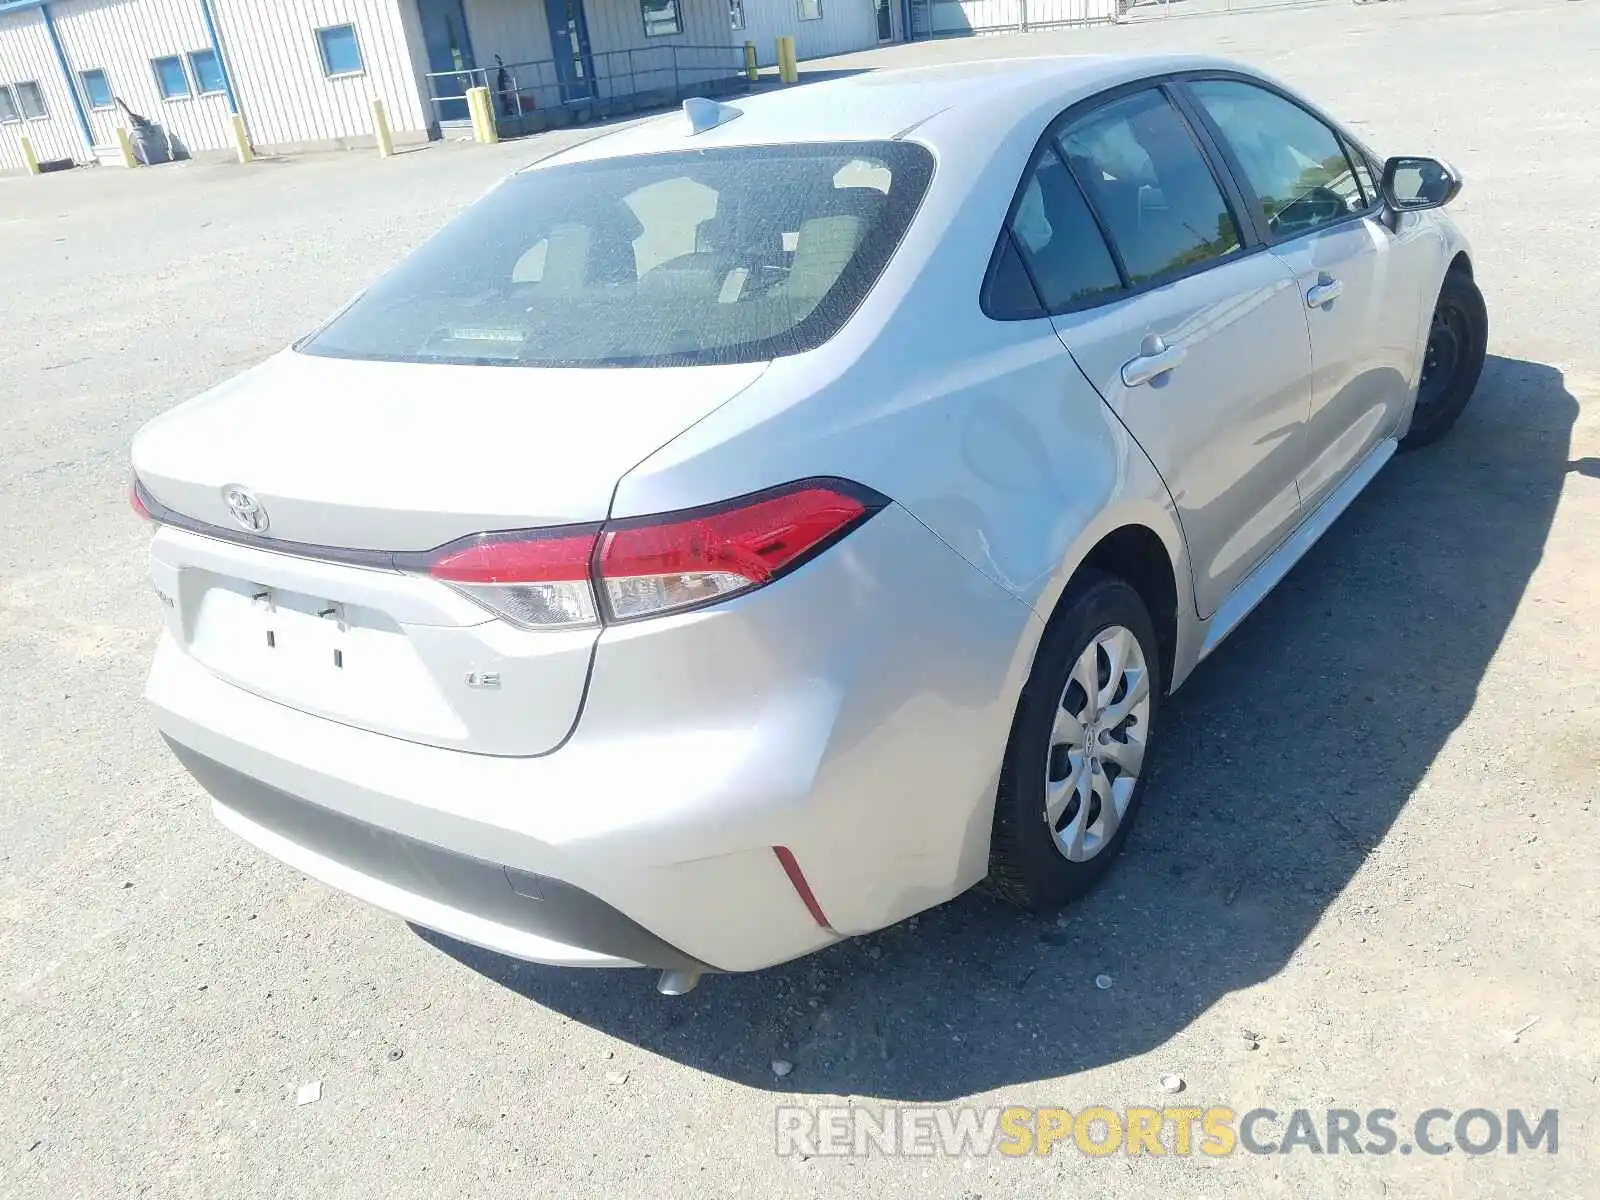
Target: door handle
x,y
1325,292
1155,358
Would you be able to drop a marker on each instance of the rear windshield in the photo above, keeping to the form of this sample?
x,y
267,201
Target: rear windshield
x,y
712,256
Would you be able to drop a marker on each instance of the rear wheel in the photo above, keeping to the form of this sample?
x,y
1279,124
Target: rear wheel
x,y
1073,773
1458,338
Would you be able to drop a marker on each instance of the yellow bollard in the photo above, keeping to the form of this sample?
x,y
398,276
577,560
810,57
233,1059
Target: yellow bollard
x,y
29,158
241,140
126,146
750,68
491,130
380,126
482,110
788,68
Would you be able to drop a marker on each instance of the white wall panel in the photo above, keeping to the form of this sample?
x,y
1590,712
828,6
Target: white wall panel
x,y
286,98
416,56
626,60
26,57
516,30
845,25
617,26
121,37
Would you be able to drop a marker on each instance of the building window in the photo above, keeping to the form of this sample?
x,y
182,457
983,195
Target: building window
x,y
97,89
661,17
736,13
170,79
341,51
811,10
207,71
31,101
8,106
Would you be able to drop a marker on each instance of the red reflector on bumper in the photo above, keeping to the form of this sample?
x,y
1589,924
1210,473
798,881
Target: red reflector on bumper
x,y
797,877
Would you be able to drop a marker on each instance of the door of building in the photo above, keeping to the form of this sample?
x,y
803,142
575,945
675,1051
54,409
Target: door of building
x,y
569,44
444,33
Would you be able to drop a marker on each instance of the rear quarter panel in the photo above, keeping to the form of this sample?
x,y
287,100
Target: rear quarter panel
x,y
984,430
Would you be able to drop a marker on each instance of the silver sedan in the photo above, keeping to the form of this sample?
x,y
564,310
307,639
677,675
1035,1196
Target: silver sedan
x,y
753,526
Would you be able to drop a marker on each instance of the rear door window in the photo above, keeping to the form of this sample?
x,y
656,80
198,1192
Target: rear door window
x,y
1295,164
1147,178
1056,239
714,256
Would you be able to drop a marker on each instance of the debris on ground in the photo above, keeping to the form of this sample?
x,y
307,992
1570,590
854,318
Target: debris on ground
x,y
1172,1083
781,1067
1103,982
1015,975
309,1093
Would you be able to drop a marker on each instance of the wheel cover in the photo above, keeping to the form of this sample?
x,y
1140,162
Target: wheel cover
x,y
1444,355
1097,744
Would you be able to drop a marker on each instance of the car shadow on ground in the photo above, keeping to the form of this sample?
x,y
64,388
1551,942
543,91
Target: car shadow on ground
x,y
1287,757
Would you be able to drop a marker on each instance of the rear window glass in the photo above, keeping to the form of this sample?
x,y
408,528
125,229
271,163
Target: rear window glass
x,y
713,256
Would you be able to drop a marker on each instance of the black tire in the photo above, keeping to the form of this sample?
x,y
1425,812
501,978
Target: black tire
x,y
1025,867
1458,339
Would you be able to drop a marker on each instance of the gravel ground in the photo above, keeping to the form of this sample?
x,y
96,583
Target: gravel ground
x,y
1370,840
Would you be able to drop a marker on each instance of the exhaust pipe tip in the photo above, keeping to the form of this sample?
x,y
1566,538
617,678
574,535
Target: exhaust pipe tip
x,y
677,983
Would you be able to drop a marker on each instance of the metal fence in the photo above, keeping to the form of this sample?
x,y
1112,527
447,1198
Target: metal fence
x,y
956,18
1156,10
529,96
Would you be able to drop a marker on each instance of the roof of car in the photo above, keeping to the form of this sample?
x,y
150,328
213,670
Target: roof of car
x,y
937,102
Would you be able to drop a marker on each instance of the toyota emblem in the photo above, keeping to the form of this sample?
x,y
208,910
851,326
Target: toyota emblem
x,y
246,509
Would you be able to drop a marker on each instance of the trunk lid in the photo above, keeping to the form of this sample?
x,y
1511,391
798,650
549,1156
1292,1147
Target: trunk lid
x,y
408,456
369,456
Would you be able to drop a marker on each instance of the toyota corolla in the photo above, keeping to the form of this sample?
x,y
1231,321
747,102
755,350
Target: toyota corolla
x,y
750,527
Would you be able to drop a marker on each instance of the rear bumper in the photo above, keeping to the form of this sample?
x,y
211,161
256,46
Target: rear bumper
x,y
419,831
855,712
530,916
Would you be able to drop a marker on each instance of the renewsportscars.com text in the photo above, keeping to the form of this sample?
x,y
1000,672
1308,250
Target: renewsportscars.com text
x,y
1099,1131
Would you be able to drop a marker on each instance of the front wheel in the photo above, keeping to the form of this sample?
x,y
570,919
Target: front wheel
x,y
1458,338
1073,771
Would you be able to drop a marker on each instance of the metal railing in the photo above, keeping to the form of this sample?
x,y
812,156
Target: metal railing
x,y
527,96
957,18
1144,10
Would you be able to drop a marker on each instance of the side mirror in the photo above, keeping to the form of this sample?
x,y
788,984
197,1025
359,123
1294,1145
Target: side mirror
x,y
1412,184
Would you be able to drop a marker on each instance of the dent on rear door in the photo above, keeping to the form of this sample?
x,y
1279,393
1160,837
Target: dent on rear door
x,y
1226,426
1210,370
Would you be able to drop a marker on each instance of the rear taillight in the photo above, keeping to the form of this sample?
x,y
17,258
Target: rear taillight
x,y
643,567
537,579
680,560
